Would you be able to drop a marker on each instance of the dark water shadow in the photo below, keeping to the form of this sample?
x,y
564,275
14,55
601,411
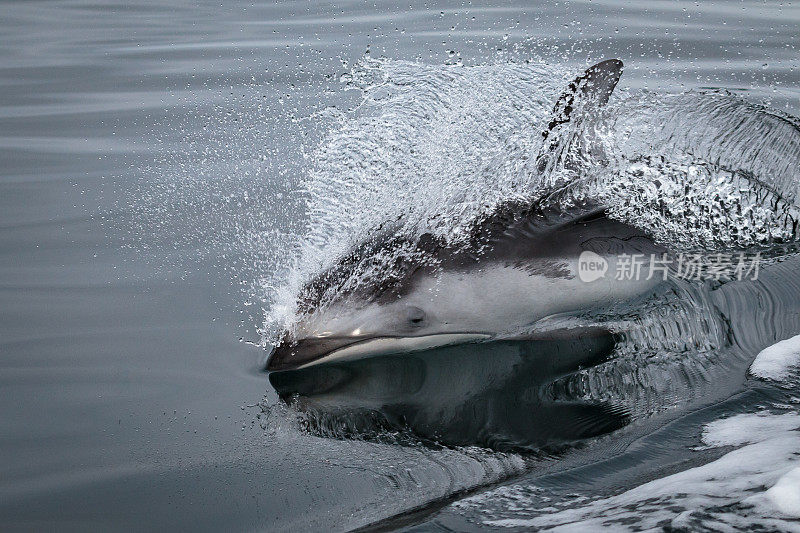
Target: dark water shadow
x,y
497,395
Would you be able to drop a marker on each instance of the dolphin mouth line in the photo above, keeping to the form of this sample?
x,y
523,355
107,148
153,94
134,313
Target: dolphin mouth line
x,y
376,346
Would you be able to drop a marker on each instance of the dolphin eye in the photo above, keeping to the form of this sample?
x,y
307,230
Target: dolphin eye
x,y
415,316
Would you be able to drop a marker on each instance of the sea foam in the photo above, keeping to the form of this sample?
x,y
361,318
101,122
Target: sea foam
x,y
776,361
755,485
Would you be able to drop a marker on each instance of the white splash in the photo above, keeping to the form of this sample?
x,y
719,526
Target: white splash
x,y
433,148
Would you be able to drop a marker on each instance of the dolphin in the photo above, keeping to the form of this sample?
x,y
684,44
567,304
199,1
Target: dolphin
x,y
518,271
516,337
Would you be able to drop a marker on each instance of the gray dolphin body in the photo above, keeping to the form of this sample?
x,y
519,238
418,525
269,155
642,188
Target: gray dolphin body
x,y
520,267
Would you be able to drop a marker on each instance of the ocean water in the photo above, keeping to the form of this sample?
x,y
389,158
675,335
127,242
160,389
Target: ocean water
x,y
172,173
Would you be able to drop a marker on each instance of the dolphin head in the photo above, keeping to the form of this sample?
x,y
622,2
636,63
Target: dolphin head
x,y
428,309
394,294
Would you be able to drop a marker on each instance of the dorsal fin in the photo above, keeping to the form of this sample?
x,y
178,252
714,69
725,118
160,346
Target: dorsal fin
x,y
590,89
585,93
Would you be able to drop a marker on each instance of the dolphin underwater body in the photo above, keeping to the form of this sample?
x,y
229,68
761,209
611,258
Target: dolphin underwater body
x,y
468,343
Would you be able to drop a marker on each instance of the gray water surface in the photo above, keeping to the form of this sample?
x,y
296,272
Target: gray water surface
x,y
128,399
